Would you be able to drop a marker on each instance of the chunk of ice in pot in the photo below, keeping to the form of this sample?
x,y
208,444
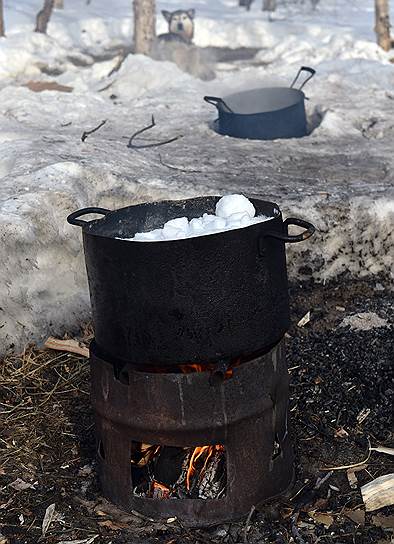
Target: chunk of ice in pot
x,y
153,235
232,212
218,224
232,204
240,217
207,218
180,223
197,225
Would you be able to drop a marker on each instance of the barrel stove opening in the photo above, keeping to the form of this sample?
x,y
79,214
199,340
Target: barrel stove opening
x,y
167,472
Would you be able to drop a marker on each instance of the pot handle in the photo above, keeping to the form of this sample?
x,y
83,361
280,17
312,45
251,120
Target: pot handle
x,y
73,217
311,71
215,101
293,238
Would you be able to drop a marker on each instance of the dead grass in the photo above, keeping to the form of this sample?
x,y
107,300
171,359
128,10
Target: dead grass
x,y
34,389
46,437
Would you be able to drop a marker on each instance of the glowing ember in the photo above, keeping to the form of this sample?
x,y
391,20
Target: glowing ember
x,y
159,491
190,368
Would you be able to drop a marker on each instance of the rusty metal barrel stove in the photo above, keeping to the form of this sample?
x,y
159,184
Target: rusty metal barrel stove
x,y
189,361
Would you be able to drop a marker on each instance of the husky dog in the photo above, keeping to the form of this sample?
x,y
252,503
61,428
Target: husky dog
x,y
180,25
177,45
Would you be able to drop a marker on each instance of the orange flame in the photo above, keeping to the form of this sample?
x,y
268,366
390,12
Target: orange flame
x,y
190,368
198,452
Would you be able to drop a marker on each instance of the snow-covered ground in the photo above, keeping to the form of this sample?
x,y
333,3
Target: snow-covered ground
x,y
340,177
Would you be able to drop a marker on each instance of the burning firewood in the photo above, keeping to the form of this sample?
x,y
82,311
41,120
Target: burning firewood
x,y
211,456
212,483
201,471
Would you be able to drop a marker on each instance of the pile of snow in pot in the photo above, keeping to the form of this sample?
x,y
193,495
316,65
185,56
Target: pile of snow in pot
x,y
232,212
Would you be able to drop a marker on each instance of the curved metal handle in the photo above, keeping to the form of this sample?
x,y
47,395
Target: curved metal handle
x,y
311,71
215,101
73,217
292,239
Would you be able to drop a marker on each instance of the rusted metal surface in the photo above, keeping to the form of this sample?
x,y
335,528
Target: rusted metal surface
x,y
247,413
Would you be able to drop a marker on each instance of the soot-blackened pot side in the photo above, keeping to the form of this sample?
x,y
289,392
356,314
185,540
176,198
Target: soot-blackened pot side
x,y
203,299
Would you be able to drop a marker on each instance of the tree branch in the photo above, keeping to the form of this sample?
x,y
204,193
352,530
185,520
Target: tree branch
x,y
130,145
87,133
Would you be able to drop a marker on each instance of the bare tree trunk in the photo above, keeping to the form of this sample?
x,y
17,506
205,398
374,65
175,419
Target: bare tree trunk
x,y
2,27
144,25
59,4
43,16
269,5
382,24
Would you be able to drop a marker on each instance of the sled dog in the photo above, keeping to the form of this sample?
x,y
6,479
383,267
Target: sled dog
x,y
180,26
177,45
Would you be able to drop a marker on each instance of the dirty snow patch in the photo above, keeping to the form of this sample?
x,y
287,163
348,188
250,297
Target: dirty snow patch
x,y
364,321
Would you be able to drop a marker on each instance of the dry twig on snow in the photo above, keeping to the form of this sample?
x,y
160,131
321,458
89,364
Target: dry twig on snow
x,y
87,133
130,145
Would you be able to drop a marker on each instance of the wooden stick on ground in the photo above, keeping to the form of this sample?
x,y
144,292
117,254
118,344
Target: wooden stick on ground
x,y
71,346
353,465
378,493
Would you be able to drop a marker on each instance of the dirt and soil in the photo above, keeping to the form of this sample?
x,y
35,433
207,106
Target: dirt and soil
x,y
342,393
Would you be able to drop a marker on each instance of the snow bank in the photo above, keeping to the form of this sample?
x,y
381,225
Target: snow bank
x,y
340,177
139,75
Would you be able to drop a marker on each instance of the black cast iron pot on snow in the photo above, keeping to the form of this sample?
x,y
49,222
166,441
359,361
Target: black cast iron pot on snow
x,y
264,114
207,299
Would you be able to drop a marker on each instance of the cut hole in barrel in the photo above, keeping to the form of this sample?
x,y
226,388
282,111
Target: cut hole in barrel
x,y
167,472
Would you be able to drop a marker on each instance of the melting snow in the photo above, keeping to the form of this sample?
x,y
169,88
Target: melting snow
x,y
232,212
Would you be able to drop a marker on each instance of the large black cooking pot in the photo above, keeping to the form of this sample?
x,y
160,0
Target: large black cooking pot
x,y
264,114
203,299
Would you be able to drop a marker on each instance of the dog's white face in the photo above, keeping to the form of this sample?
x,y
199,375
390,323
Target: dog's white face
x,y
181,22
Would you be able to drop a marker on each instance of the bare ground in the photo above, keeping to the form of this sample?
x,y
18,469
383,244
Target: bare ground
x,y
341,393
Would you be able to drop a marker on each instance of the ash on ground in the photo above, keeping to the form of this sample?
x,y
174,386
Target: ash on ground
x,y
341,393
